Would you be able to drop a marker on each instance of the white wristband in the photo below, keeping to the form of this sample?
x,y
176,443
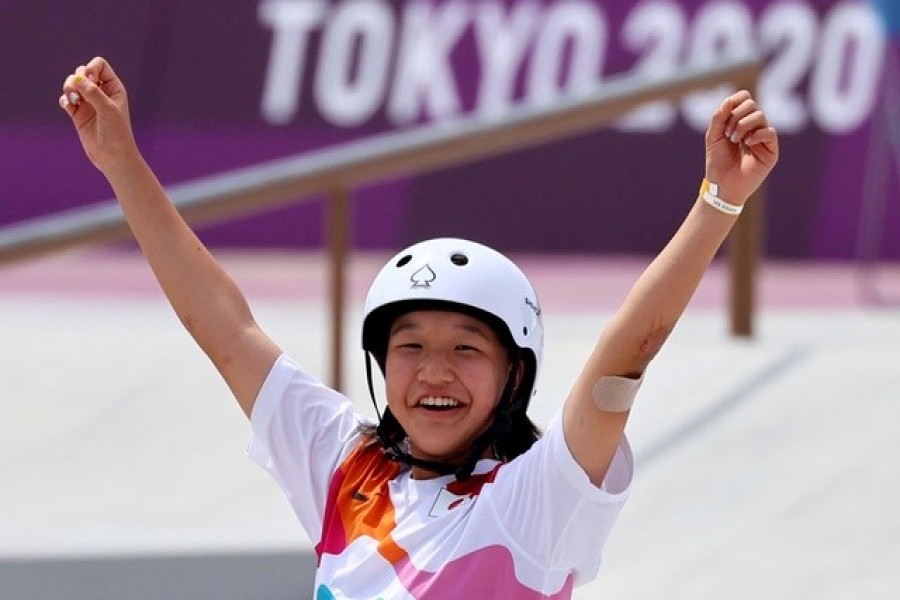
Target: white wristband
x,y
710,194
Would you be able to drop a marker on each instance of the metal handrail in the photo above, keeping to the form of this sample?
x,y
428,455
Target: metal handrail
x,y
335,171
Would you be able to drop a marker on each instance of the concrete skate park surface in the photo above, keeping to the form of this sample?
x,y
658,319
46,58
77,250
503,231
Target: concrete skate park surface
x,y
765,467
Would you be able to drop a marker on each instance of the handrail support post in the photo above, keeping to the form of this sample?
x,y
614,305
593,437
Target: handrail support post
x,y
338,234
744,250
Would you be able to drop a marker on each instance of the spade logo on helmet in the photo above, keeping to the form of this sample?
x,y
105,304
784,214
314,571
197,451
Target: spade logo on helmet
x,y
423,277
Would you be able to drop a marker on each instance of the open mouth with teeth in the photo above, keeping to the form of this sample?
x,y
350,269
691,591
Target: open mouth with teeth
x,y
438,404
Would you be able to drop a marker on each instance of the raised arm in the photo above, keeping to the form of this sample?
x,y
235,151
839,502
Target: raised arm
x,y
741,150
204,297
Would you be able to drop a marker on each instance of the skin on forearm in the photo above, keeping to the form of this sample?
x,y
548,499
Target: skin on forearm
x,y
204,297
658,299
637,332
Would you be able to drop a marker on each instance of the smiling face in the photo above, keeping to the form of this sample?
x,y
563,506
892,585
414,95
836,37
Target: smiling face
x,y
444,372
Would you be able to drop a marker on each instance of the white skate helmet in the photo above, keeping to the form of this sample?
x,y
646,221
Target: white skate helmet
x,y
460,275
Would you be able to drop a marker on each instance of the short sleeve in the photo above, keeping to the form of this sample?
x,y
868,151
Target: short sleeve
x,y
300,431
559,514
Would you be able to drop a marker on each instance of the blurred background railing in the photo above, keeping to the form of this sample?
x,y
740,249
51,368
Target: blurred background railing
x,y
335,172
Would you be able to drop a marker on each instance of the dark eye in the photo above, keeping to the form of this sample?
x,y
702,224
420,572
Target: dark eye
x,y
404,260
459,259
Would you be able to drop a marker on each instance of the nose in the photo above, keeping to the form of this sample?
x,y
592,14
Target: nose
x,y
434,370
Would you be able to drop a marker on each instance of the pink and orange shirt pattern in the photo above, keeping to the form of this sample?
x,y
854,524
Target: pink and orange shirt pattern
x,y
531,528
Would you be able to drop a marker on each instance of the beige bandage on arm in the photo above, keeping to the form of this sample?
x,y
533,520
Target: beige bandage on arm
x,y
616,394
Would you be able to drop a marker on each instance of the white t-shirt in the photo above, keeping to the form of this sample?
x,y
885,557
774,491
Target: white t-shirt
x,y
530,528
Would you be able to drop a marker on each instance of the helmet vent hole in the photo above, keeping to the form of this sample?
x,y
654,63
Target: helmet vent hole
x,y
403,261
459,259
